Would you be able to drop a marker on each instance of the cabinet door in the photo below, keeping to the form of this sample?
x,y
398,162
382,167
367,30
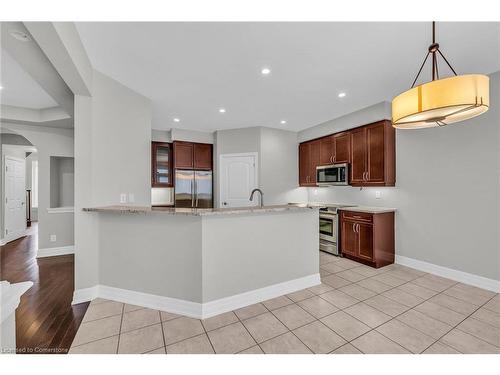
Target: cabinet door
x,y
358,155
183,155
375,152
342,147
325,151
161,164
203,156
303,163
314,161
365,238
349,238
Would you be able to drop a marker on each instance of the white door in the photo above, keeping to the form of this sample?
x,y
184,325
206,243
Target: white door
x,y
238,177
15,198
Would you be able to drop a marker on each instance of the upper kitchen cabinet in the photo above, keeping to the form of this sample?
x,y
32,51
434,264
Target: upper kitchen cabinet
x,y
203,156
373,155
370,151
326,150
335,149
189,155
161,164
341,144
309,159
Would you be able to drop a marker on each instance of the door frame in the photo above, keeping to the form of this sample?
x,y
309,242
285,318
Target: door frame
x,y
8,238
239,154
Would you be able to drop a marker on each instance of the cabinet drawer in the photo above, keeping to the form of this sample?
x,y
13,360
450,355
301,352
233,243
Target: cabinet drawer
x,y
357,216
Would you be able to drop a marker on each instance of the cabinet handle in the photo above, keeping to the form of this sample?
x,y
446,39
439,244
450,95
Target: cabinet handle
x,y
354,227
357,228
331,159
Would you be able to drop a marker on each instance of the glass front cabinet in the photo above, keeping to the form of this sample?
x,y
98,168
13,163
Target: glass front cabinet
x,y
161,164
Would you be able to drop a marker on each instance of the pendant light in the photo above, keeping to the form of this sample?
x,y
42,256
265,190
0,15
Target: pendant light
x,y
440,101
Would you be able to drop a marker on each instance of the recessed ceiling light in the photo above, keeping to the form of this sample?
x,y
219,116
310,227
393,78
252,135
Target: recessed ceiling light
x,y
265,71
176,119
283,122
20,35
342,94
222,110
1,87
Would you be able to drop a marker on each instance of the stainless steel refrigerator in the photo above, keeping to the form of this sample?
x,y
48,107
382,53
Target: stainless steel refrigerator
x,y
193,189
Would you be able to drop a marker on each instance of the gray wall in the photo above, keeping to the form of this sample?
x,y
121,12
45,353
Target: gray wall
x,y
279,167
112,156
48,142
447,190
278,161
62,175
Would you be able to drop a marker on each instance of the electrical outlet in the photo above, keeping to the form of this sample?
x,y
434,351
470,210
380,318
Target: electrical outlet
x,y
53,238
378,194
123,198
131,197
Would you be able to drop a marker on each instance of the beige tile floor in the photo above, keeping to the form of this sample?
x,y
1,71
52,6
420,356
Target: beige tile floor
x,y
356,309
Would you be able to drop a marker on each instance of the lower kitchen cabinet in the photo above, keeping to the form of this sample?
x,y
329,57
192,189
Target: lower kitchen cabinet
x,y
367,237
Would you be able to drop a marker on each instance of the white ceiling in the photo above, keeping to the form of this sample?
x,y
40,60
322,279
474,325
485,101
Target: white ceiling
x,y
19,88
190,70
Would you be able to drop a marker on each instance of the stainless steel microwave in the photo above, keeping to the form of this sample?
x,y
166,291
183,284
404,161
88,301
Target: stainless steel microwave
x,y
334,174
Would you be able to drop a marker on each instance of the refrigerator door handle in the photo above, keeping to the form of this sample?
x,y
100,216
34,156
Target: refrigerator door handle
x,y
192,193
196,191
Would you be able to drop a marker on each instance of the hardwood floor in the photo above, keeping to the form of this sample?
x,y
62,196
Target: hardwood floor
x,y
46,322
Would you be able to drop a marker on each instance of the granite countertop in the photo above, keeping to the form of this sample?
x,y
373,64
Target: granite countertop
x,y
349,207
371,210
198,211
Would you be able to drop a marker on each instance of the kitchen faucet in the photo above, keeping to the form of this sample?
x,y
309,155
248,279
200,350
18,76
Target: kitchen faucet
x,y
261,196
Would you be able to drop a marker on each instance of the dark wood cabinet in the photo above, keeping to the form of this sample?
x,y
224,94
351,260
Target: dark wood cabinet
x,y
370,151
161,164
373,155
358,156
304,164
341,143
309,159
183,155
189,155
202,156
326,150
367,237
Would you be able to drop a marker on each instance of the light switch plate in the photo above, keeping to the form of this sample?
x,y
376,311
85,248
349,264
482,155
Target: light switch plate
x,y
131,197
123,198
53,238
378,194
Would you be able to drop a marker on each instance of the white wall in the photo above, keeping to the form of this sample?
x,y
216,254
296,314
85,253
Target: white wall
x,y
447,190
112,156
48,142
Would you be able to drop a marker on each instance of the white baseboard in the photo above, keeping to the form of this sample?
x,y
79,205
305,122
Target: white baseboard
x,y
460,276
85,295
237,301
54,251
194,309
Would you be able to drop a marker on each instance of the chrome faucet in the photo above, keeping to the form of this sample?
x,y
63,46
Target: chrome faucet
x,y
261,196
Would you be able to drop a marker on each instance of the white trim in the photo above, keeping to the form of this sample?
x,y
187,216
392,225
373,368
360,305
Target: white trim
x,y
54,251
85,295
13,236
237,301
463,277
194,309
11,297
60,210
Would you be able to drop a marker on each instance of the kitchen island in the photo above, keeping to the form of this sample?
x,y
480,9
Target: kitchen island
x,y
203,262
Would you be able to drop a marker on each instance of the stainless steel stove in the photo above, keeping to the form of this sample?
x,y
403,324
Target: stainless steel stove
x,y
329,228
